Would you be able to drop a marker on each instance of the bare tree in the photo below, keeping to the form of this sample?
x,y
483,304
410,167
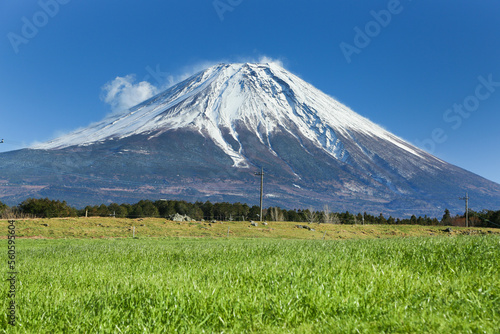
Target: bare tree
x,y
13,213
329,217
276,214
311,215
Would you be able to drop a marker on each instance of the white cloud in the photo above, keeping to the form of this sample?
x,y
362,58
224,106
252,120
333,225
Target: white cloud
x,y
266,59
123,93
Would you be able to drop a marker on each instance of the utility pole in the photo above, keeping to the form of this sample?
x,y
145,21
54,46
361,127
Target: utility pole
x,y
466,198
261,174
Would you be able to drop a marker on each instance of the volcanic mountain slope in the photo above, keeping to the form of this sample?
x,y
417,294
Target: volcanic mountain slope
x,y
204,138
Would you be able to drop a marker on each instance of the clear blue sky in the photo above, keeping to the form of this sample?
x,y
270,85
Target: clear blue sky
x,y
419,62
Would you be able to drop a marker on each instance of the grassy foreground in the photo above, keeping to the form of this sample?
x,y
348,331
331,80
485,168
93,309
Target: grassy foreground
x,y
156,285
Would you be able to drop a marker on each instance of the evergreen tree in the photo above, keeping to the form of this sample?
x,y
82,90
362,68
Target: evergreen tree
x,y
181,207
195,213
3,207
103,211
148,209
208,210
136,212
446,220
116,210
240,211
293,216
254,213
413,220
46,208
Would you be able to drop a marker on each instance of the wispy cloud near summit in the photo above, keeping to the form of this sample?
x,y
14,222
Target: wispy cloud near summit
x,y
124,92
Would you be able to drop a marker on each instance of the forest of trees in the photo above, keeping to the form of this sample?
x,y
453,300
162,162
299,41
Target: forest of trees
x,y
46,208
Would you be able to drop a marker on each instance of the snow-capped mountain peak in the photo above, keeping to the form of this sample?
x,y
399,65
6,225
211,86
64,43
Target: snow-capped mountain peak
x,y
263,98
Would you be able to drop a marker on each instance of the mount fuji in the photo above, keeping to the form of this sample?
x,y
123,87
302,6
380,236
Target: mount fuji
x,y
204,139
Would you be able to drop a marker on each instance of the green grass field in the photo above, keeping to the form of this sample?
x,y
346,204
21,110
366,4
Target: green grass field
x,y
440,284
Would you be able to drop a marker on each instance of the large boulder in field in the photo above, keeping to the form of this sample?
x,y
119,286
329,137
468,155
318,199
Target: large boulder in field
x,y
180,218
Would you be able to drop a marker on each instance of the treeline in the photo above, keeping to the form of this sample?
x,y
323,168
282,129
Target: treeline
x,y
38,208
46,208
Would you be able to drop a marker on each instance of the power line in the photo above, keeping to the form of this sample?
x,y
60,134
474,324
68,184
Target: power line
x,y
261,174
